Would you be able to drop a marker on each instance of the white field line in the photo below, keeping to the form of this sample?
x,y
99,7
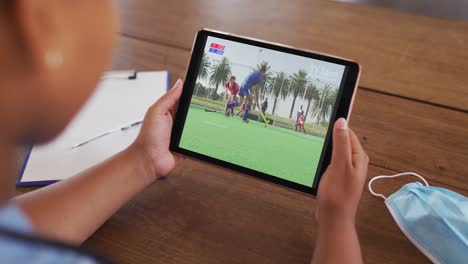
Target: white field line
x,y
213,124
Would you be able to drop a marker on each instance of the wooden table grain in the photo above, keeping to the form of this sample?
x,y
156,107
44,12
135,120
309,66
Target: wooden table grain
x,y
403,54
411,113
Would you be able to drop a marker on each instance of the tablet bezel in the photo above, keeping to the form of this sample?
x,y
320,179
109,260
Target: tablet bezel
x,y
342,106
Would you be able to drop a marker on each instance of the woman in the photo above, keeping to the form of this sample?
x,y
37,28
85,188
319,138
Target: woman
x,y
233,87
44,45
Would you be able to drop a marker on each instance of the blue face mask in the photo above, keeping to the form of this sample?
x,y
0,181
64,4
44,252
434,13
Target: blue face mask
x,y
434,219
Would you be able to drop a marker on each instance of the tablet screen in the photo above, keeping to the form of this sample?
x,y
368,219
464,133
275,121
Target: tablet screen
x,y
262,109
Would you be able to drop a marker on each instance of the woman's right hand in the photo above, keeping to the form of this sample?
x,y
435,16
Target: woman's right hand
x,y
341,186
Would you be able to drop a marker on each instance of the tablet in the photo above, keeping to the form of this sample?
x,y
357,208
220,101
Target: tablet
x,y
263,109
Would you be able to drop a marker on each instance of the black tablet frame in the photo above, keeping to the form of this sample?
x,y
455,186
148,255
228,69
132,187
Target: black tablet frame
x,y
342,106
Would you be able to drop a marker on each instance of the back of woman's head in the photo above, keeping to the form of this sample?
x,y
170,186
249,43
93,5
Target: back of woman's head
x,y
52,54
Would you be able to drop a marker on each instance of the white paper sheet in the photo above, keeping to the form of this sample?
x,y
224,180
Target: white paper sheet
x,y
117,103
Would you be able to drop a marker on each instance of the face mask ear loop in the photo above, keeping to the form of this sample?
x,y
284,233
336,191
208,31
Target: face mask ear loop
x,y
369,186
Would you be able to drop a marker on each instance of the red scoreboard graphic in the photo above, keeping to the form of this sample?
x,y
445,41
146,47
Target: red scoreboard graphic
x,y
217,48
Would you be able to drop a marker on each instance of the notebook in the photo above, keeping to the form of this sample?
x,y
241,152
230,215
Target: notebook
x,y
108,123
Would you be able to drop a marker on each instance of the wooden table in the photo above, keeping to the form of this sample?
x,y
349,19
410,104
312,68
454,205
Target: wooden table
x,y
411,113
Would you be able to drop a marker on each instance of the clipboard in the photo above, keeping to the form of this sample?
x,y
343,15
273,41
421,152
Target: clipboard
x,y
108,122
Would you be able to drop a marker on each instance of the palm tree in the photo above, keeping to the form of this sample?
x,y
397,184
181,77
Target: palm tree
x,y
199,89
279,88
204,67
321,109
298,85
328,104
260,88
311,93
219,74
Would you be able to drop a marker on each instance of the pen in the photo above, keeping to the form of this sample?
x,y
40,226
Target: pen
x,y
131,125
107,133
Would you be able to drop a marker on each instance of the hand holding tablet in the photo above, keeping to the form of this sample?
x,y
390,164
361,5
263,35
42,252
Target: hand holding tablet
x,y
341,186
277,126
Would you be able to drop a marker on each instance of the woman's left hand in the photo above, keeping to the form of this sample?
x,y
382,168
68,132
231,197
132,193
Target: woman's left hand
x,y
155,134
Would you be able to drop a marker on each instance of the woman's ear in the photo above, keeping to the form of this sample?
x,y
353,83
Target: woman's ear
x,y
39,32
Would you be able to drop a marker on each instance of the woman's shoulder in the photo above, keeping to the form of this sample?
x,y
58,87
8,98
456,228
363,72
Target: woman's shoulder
x,y
19,245
12,218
